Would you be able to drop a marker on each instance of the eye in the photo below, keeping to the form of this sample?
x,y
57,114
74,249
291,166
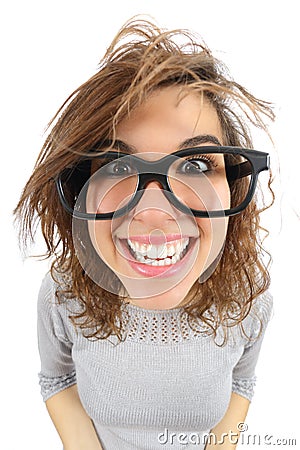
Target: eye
x,y
117,168
195,166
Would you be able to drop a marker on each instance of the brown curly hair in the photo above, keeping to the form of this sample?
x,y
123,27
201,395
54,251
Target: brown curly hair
x,y
141,59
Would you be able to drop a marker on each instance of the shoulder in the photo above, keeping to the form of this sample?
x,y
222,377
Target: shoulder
x,y
262,308
54,312
48,290
47,293
259,316
52,285
48,287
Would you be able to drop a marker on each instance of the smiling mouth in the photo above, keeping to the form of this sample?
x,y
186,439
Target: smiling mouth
x,y
165,254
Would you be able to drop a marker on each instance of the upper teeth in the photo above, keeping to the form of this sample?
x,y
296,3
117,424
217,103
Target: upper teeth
x,y
150,253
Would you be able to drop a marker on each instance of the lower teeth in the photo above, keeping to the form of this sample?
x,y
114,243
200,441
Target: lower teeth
x,y
158,262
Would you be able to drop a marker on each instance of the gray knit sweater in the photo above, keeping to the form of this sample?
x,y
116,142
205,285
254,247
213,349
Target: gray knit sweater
x,y
164,387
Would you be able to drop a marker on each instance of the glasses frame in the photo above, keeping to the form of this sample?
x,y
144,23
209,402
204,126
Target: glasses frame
x,y
149,171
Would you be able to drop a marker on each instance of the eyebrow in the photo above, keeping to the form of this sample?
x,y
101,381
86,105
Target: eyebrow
x,y
198,140
187,143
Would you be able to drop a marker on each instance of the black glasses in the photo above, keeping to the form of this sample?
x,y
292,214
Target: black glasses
x,y
205,181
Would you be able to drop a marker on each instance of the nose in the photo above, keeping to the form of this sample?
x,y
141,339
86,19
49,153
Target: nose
x,y
154,209
154,184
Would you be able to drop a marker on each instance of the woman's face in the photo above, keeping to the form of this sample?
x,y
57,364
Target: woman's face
x,y
157,251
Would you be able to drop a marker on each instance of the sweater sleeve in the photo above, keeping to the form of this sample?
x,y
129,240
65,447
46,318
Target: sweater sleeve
x,y
55,347
244,379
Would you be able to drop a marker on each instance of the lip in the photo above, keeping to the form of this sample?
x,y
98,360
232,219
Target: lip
x,y
156,271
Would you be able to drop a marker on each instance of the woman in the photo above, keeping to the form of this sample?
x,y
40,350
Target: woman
x,y
152,318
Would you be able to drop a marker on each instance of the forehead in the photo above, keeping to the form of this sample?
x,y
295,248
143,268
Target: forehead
x,y
166,119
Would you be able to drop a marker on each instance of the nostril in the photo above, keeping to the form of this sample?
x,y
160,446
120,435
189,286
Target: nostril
x,y
154,184
156,180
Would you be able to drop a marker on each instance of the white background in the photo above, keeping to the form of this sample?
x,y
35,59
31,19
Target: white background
x,y
48,48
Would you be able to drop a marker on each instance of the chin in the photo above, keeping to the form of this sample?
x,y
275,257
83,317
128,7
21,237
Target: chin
x,y
171,299
155,303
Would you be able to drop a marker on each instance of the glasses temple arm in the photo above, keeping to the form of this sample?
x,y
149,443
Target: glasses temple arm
x,y
239,171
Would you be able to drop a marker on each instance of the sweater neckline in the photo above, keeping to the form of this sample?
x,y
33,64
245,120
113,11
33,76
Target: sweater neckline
x,y
152,312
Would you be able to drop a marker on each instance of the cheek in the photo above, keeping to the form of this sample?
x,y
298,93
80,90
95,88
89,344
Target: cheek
x,y
205,228
212,238
101,238
224,196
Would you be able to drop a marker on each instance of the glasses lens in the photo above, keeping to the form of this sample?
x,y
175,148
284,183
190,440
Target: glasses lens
x,y
110,185
211,182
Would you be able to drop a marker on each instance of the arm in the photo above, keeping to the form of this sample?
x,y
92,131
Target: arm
x,y
71,421
58,373
225,434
